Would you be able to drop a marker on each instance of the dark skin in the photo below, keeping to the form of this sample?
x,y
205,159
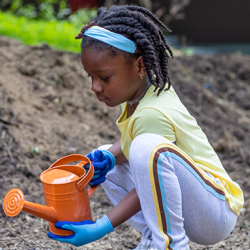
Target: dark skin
x,y
116,80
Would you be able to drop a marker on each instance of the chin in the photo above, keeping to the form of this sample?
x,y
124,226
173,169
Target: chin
x,y
111,105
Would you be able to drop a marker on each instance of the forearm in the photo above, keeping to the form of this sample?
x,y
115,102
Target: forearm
x,y
125,209
117,152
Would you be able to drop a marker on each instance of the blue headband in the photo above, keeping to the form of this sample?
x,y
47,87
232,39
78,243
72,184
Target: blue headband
x,y
116,40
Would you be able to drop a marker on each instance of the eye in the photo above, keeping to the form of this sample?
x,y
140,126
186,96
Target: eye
x,y
105,78
88,75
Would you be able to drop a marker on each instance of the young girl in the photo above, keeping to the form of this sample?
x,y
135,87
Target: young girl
x,y
162,175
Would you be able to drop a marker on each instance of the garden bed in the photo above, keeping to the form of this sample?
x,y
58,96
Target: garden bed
x,y
47,111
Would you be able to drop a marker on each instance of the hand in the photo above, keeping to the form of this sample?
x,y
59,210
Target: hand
x,y
103,161
84,232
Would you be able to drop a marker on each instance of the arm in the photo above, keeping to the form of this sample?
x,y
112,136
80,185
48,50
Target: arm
x,y
88,231
130,204
117,152
126,208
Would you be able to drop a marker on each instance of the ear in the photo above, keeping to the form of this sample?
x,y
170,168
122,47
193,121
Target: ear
x,y
141,67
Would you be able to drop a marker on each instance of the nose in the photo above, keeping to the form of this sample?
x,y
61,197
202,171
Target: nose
x,y
96,86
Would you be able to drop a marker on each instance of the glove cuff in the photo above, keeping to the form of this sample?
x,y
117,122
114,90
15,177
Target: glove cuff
x,y
108,226
111,157
103,226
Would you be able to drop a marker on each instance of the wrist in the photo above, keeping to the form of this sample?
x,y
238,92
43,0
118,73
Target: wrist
x,y
107,224
110,156
103,226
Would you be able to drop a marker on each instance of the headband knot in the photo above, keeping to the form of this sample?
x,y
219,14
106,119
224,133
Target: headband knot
x,y
83,29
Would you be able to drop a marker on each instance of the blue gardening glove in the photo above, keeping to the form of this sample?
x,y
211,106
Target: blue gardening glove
x,y
84,232
103,161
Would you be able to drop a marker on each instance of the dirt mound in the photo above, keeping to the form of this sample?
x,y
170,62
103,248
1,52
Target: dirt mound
x,y
47,111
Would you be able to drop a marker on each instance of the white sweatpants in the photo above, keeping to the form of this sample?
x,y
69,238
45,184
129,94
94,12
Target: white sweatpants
x,y
177,202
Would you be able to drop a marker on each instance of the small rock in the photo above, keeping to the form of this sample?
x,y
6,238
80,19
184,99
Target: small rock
x,y
72,150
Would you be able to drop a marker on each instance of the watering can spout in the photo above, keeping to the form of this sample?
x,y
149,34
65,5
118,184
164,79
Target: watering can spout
x,y
14,203
44,212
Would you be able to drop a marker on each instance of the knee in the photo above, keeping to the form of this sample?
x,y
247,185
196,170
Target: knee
x,y
112,176
141,148
105,147
148,139
143,145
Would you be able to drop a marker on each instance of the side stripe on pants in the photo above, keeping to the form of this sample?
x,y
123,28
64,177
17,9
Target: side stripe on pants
x,y
156,180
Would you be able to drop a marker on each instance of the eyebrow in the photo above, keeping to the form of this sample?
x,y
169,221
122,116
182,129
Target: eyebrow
x,y
98,70
101,70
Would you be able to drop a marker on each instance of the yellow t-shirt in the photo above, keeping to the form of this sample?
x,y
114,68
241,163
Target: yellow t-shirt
x,y
165,115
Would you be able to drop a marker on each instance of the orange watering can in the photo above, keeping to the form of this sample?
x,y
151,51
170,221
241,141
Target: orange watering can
x,y
65,191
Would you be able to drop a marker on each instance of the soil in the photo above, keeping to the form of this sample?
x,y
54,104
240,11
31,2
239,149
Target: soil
x,y
47,111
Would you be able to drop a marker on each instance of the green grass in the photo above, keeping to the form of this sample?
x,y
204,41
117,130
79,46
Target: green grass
x,y
57,34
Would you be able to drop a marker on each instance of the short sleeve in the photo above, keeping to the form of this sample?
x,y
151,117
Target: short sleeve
x,y
149,120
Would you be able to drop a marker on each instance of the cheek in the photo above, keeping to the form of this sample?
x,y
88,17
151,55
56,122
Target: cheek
x,y
116,92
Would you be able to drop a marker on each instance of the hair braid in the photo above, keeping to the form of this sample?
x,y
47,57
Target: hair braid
x,y
131,23
149,14
142,27
138,16
101,12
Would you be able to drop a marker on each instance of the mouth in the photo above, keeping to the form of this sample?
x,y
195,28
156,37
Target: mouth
x,y
102,99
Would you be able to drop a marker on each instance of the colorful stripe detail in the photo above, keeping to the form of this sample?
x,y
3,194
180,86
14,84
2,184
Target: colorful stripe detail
x,y
205,183
170,150
160,203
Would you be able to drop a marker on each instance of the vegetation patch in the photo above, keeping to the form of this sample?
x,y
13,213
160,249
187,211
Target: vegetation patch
x,y
57,34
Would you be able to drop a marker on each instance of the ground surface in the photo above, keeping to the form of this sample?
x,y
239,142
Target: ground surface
x,y
46,102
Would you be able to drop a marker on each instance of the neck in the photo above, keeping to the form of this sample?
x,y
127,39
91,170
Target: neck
x,y
133,102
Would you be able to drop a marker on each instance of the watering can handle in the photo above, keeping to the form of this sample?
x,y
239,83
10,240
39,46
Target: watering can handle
x,y
70,158
92,190
84,180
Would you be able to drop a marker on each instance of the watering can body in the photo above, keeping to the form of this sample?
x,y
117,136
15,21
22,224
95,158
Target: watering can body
x,y
65,200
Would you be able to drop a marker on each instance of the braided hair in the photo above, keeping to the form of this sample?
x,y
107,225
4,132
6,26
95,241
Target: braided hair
x,y
141,26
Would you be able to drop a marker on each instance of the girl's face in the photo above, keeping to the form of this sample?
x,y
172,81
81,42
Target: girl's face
x,y
114,80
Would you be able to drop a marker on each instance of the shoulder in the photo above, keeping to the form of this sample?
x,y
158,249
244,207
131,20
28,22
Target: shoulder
x,y
150,120
151,117
162,105
148,113
165,99
167,103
